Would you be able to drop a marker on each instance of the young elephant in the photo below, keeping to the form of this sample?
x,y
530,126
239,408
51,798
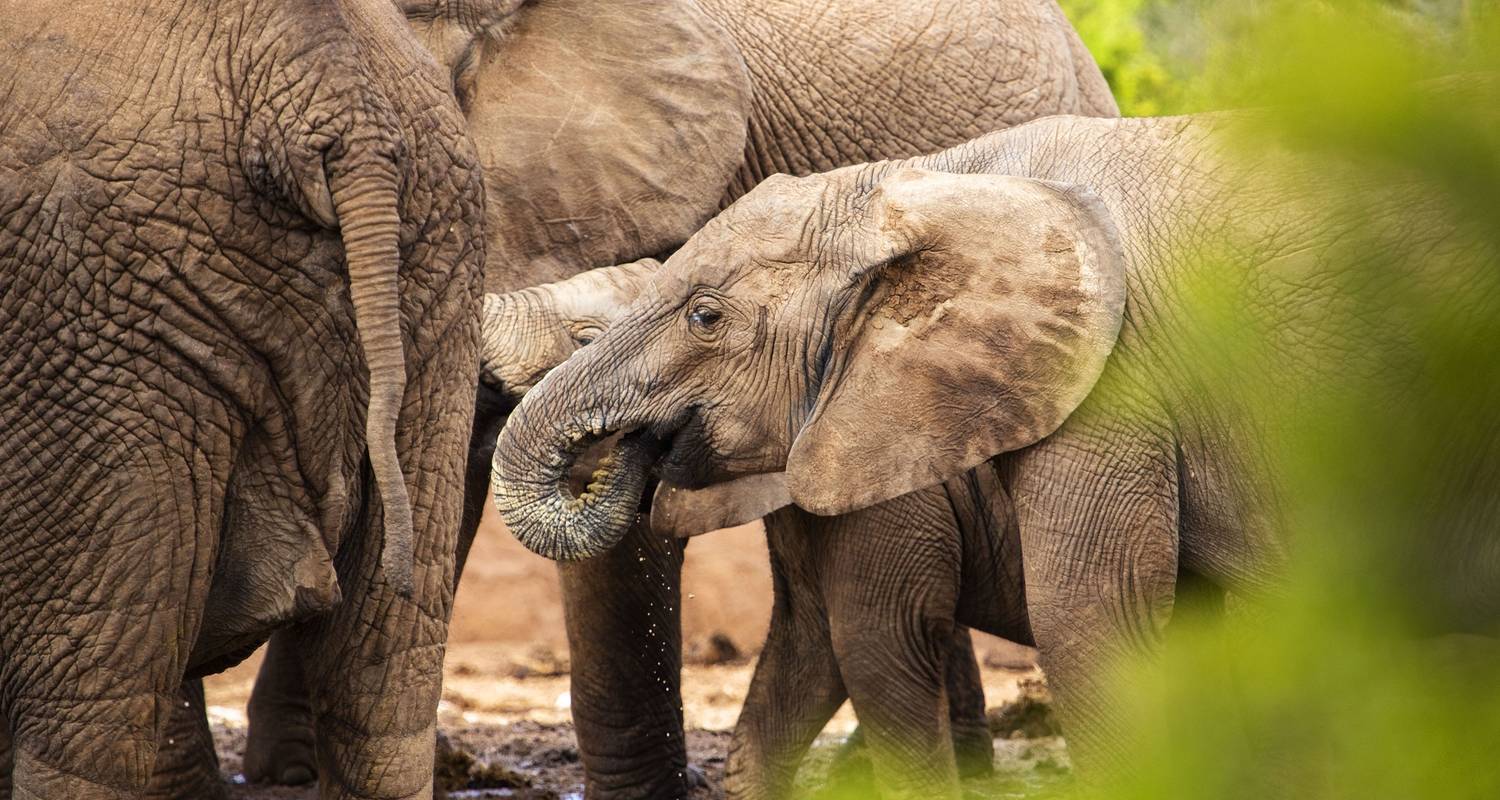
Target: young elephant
x,y
867,604
880,328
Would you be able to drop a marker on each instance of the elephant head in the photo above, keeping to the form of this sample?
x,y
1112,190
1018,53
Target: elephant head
x,y
869,331
530,331
583,112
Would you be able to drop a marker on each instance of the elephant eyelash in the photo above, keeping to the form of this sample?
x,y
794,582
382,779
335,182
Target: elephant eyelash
x,y
584,335
705,310
705,316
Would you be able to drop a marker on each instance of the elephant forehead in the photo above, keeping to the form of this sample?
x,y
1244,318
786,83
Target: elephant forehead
x,y
588,295
773,230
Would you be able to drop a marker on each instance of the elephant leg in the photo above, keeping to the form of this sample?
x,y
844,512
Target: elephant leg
x,y
490,410
89,687
890,576
187,767
796,687
1098,515
973,746
6,752
97,736
903,712
280,744
373,664
373,672
624,623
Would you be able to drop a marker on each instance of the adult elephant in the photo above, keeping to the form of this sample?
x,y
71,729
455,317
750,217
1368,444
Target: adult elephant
x,y
609,130
1029,297
241,247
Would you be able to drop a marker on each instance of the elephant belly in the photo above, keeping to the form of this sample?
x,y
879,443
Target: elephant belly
x,y
1228,530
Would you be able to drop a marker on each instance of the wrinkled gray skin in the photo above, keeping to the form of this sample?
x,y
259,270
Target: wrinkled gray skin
x,y
867,604
240,252
992,279
610,130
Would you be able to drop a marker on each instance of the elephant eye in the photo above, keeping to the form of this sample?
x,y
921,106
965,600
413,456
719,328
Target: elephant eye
x,y
704,317
585,334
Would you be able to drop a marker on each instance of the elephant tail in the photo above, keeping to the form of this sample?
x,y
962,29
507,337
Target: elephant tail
x,y
365,201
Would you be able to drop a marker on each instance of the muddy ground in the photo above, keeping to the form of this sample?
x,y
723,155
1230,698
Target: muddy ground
x,y
505,695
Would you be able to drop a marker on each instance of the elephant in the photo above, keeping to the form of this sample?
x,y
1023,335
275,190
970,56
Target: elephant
x,y
608,132
869,605
1020,300
241,254
941,75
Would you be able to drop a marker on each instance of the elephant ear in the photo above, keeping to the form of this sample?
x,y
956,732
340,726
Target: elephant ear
x,y
682,513
608,130
991,303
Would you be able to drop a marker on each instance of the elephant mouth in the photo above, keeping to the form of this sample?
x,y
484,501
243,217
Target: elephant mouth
x,y
686,459
601,461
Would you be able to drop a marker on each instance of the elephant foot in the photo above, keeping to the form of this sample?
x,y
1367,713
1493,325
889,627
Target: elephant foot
x,y
696,778
187,767
281,763
280,747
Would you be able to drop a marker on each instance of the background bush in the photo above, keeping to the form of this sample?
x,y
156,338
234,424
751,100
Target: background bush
x,y
1157,54
1372,669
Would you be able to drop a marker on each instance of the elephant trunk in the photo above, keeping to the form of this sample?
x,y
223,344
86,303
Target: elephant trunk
x,y
546,435
369,223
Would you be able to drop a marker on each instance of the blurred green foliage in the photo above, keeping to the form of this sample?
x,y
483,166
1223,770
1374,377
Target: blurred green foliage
x,y
1162,56
1371,670
1368,672
1136,63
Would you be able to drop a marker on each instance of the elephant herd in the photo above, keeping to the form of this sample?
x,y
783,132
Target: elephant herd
x,y
289,290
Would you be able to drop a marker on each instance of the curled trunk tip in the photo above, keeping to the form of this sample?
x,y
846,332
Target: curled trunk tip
x,y
530,485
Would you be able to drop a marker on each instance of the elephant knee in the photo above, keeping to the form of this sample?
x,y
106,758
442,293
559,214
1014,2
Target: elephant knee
x,y
900,656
